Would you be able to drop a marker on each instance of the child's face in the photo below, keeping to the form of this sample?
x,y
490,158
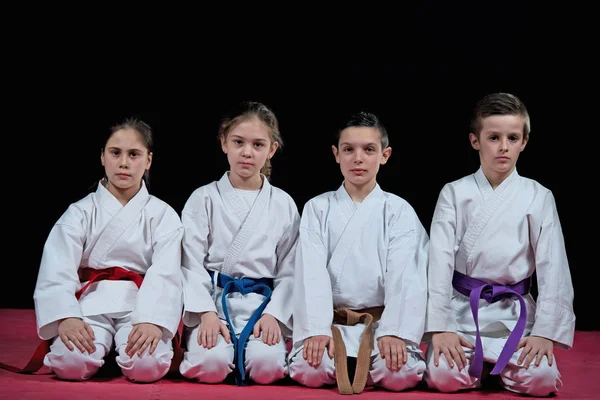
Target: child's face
x,y
359,154
500,142
125,159
248,146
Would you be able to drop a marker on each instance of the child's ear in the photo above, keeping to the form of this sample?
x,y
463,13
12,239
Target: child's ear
x,y
386,155
223,144
474,141
149,161
273,149
336,153
525,141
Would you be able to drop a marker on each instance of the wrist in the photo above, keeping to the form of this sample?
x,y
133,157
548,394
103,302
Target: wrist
x,y
60,321
208,314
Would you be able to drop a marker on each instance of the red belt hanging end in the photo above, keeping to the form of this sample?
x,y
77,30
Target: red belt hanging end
x,y
36,362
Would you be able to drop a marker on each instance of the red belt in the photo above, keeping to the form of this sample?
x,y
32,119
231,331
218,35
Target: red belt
x,y
90,275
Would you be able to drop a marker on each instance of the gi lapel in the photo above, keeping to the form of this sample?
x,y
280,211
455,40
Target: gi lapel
x,y
229,195
249,223
493,201
119,224
351,231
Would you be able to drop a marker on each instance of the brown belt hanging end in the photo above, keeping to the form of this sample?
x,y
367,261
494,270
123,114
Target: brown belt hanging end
x,y
344,316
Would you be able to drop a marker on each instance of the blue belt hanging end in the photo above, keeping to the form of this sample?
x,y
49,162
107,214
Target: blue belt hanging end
x,y
261,286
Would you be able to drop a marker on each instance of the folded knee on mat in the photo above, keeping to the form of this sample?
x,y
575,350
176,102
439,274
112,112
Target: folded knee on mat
x,y
265,375
146,369
310,376
74,365
412,367
265,370
217,358
265,357
443,378
209,366
542,380
406,377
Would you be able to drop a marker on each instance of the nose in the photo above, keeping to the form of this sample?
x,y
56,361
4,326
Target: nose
x,y
123,161
247,151
359,157
504,144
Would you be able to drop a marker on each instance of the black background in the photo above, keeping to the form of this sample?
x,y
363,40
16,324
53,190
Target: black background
x,y
421,68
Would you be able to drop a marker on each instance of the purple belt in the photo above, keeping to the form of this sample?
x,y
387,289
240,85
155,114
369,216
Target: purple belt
x,y
476,289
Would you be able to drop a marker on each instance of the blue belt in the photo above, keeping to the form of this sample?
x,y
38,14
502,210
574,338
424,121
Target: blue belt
x,y
262,286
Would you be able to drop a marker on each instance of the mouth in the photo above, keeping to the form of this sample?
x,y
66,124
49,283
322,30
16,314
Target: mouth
x,y
358,170
502,158
123,175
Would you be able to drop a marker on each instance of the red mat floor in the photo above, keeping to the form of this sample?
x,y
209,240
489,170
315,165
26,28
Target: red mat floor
x,y
579,367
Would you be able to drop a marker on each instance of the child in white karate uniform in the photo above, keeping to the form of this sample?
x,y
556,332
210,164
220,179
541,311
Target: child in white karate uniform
x,y
110,272
490,232
238,260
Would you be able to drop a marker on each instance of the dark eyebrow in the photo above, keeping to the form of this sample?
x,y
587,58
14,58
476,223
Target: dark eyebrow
x,y
350,144
508,134
116,148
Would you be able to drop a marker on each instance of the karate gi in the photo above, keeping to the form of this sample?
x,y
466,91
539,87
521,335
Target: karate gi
x,y
239,234
501,237
360,255
98,232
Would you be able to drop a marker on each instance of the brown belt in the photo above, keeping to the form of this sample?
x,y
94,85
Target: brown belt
x,y
345,316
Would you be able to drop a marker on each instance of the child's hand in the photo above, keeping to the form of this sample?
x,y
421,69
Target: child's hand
x,y
535,346
314,347
451,344
271,331
142,336
74,330
210,327
393,350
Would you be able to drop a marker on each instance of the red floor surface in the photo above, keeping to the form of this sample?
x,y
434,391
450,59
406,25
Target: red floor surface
x,y
579,367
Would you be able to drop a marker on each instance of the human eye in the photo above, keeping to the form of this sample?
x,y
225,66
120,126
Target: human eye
x,y
259,144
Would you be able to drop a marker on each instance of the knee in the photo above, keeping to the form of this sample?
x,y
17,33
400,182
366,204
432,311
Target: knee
x,y
215,358
208,365
310,376
147,368
74,365
407,377
542,381
442,378
265,364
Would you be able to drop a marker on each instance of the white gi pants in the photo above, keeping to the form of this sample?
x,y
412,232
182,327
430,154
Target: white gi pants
x,y
75,365
379,375
264,364
536,381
